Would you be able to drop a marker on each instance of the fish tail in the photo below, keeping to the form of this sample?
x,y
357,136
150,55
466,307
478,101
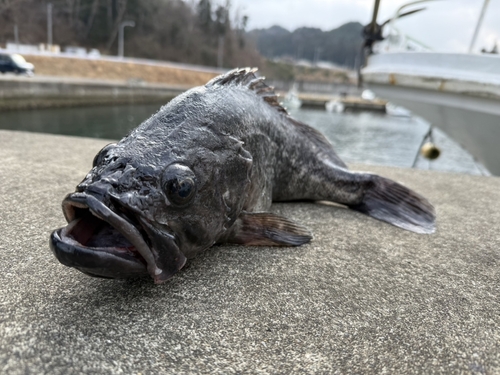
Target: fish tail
x,y
389,201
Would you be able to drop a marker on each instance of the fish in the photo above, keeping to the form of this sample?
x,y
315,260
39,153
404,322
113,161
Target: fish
x,y
204,170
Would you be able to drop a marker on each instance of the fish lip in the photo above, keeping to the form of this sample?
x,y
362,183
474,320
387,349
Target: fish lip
x,y
62,249
90,261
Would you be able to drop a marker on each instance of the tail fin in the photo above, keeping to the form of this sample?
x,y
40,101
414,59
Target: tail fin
x,y
389,201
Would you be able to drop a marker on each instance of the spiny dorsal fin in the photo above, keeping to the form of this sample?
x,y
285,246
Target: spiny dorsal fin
x,y
246,77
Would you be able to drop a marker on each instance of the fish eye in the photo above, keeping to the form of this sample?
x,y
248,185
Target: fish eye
x,y
178,183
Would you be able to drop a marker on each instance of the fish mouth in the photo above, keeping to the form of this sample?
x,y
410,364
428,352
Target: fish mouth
x,y
101,242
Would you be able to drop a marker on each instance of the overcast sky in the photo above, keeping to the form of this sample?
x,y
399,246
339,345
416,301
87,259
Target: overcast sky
x,y
446,25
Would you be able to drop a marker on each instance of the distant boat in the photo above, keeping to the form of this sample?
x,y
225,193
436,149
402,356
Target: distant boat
x,y
368,95
397,111
335,106
291,99
457,92
366,102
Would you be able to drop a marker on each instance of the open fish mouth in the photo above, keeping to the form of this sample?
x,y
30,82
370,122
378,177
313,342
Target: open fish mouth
x,y
100,242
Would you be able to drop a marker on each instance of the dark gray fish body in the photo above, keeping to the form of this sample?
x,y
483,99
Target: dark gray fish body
x,y
204,170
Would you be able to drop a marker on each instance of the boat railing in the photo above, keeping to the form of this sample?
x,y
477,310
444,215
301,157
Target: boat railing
x,y
398,41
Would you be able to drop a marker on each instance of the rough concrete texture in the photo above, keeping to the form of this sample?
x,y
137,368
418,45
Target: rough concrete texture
x,y
363,297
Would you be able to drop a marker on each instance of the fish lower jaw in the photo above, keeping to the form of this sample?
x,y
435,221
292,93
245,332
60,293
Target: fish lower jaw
x,y
102,241
108,262
96,247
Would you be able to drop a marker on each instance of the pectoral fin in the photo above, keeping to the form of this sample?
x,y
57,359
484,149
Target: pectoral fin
x,y
267,229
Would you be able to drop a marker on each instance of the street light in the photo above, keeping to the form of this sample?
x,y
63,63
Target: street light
x,y
49,25
120,36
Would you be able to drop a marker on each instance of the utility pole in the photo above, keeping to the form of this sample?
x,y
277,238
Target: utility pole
x,y
299,53
317,53
16,36
479,24
121,36
49,25
220,52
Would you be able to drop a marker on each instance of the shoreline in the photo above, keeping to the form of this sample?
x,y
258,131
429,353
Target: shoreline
x,y
20,93
65,81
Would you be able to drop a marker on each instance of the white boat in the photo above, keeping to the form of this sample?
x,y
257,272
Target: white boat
x,y
397,111
334,106
291,99
457,92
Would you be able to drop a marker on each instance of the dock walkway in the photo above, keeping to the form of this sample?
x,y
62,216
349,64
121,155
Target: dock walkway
x,y
350,102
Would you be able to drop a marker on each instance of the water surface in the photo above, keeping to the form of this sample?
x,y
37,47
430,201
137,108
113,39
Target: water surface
x,y
364,137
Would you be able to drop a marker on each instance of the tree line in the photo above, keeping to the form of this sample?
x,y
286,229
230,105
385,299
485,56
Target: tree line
x,y
197,32
202,32
340,46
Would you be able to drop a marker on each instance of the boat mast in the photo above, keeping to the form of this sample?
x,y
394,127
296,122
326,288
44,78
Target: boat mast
x,y
478,26
374,17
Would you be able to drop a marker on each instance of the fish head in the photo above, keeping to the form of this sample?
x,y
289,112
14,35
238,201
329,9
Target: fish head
x,y
151,202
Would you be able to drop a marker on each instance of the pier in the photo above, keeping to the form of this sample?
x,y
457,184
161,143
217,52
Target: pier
x,y
350,102
362,297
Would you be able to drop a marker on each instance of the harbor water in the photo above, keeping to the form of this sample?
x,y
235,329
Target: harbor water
x,y
363,137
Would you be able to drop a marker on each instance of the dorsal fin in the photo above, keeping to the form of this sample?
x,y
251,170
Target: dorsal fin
x,y
319,139
246,77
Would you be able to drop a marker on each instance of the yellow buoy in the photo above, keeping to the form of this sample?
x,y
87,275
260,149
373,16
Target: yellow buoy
x,y
430,151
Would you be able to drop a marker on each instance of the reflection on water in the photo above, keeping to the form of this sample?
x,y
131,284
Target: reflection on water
x,y
357,137
374,138
109,122
369,137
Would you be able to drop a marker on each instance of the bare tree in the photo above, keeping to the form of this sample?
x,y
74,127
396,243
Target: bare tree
x,y
122,7
93,12
176,30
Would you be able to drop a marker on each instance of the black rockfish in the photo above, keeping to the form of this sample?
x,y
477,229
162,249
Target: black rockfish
x,y
204,170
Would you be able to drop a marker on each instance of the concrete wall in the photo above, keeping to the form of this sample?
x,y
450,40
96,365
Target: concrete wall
x,y
40,92
44,92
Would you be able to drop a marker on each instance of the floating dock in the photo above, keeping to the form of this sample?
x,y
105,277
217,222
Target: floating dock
x,y
350,103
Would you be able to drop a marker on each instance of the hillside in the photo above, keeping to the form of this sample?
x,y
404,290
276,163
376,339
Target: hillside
x,y
339,46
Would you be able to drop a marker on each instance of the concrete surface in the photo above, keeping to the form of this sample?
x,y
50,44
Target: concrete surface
x,y
363,297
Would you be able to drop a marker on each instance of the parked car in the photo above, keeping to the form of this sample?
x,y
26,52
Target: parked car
x,y
16,64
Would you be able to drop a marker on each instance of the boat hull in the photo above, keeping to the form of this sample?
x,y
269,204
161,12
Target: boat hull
x,y
443,89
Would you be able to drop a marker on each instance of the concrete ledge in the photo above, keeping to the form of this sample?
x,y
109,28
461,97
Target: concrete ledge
x,y
363,297
47,92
